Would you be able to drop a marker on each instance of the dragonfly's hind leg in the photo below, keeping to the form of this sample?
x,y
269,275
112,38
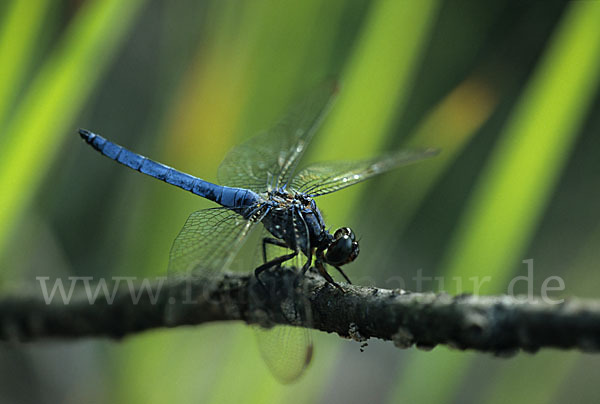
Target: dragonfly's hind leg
x,y
272,241
272,263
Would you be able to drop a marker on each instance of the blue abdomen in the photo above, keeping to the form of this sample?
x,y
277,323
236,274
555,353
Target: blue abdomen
x,y
226,196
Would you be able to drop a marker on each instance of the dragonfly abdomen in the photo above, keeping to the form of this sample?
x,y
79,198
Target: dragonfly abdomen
x,y
225,196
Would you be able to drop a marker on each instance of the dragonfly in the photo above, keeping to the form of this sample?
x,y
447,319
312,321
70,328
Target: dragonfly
x,y
262,185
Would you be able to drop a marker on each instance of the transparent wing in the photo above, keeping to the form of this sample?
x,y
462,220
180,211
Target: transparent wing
x,y
208,241
286,350
267,161
323,178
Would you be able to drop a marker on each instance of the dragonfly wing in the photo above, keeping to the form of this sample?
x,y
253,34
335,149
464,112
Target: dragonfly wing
x,y
323,178
286,350
209,241
267,161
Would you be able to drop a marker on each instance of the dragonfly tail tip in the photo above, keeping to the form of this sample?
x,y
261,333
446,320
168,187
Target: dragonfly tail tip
x,y
85,134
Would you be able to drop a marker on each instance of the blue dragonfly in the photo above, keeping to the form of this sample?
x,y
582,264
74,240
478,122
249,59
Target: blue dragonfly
x,y
263,185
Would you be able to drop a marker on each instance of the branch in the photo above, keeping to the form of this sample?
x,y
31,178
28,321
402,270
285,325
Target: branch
x,y
499,324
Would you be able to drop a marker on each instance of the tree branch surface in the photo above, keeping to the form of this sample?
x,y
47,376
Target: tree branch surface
x,y
499,324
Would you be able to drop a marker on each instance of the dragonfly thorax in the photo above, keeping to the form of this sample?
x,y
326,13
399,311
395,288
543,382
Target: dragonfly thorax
x,y
295,219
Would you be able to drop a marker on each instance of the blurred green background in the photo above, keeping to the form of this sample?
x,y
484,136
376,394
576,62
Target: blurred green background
x,y
508,90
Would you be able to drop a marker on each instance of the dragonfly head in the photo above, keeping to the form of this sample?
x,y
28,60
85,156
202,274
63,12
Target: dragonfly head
x,y
343,249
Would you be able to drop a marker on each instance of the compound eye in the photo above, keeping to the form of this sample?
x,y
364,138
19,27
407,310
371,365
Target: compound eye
x,y
343,231
343,249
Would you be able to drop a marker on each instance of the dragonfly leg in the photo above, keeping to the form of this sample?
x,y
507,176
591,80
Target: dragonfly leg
x,y
343,274
272,263
306,265
328,278
272,241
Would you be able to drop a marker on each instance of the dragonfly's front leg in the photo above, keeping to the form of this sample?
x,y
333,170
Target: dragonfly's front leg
x,y
272,241
325,274
343,274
